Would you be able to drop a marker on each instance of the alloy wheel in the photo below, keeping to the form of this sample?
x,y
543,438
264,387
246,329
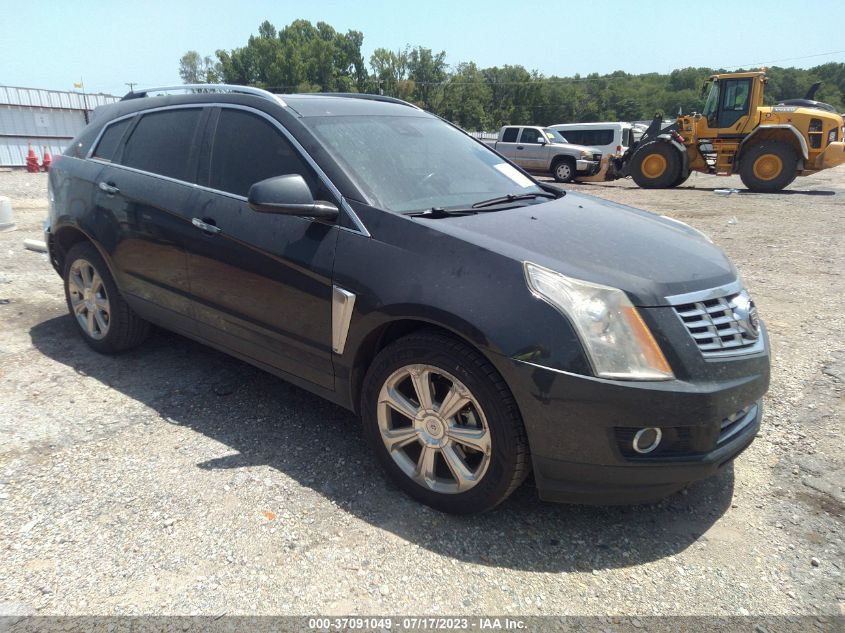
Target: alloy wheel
x,y
434,429
88,299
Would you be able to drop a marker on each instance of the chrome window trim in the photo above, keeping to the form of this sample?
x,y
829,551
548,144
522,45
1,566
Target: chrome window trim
x,y
343,303
149,173
359,225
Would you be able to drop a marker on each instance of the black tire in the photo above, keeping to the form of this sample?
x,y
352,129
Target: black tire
x,y
758,167
563,170
508,463
681,179
123,328
656,165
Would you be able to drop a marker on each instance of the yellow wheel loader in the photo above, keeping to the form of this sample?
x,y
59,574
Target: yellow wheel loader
x,y
768,146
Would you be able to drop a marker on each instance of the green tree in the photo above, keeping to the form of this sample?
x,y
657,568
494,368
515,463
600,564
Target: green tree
x,y
305,57
194,69
390,72
428,72
466,98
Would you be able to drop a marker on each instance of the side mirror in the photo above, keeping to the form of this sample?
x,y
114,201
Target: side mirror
x,y
541,140
289,195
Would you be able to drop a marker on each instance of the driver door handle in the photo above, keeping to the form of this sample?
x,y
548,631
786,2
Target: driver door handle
x,y
207,227
109,188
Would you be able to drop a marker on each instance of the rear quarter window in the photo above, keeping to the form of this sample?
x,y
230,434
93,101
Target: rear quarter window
x,y
163,142
79,146
111,139
510,135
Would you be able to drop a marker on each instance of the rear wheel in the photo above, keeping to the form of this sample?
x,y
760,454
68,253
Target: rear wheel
x,y
103,318
563,170
768,166
444,424
656,165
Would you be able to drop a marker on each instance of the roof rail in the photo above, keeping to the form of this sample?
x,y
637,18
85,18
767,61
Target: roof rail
x,y
204,88
367,97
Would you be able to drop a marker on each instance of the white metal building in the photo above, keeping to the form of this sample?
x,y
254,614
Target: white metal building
x,y
48,118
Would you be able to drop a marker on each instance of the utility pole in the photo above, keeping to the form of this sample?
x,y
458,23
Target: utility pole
x,y
131,85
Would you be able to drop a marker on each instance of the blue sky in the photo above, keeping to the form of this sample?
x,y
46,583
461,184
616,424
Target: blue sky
x,y
52,43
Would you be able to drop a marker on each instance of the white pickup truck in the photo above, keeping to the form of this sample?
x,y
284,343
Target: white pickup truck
x,y
543,150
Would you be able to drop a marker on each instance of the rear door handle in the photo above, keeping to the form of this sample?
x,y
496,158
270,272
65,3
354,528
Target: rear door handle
x,y
519,147
207,227
109,188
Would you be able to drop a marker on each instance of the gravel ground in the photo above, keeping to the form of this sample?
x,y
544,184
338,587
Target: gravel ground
x,y
175,480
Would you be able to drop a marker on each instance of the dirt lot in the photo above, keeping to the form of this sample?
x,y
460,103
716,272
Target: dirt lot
x,y
174,479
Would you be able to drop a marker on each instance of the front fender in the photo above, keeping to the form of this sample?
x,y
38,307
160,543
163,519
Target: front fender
x,y
476,294
767,131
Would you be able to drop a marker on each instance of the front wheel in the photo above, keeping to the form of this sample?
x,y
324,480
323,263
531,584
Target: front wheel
x,y
563,170
656,165
768,166
444,424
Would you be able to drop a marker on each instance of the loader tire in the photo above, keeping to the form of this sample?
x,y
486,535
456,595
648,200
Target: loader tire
x,y
656,165
768,166
681,179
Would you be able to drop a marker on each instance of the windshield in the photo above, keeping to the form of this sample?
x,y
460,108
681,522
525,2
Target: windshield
x,y
554,136
414,163
712,103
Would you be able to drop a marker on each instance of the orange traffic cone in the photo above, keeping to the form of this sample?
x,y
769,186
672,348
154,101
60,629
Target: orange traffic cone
x,y
47,160
32,161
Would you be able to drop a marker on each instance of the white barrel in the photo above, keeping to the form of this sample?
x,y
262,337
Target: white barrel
x,y
7,219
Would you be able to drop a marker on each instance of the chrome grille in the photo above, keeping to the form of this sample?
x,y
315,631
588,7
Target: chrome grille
x,y
714,326
597,157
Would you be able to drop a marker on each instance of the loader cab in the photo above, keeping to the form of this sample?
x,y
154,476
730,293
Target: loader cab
x,y
732,101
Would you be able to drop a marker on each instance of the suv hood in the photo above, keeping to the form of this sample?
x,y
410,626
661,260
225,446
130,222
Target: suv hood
x,y
648,256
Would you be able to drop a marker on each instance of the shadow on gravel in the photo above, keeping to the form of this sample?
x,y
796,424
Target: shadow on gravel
x,y
268,421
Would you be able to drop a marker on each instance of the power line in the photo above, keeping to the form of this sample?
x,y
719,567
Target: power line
x,y
785,59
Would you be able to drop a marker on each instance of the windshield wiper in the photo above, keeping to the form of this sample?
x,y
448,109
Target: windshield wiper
x,y
439,212
513,197
479,207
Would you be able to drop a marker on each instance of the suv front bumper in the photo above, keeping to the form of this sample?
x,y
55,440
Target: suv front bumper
x,y
580,428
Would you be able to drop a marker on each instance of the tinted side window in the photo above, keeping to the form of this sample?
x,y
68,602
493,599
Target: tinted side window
x,y
529,135
110,139
247,149
162,143
510,135
573,136
601,137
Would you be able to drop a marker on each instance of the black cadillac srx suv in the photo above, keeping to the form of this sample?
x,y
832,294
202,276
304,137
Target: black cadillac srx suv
x,y
482,324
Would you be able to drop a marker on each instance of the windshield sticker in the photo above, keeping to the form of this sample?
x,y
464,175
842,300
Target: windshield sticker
x,y
514,174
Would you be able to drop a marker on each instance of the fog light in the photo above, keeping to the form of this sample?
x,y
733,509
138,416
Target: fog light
x,y
646,440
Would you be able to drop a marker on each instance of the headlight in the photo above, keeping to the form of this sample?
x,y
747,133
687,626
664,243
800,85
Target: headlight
x,y
618,342
586,155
